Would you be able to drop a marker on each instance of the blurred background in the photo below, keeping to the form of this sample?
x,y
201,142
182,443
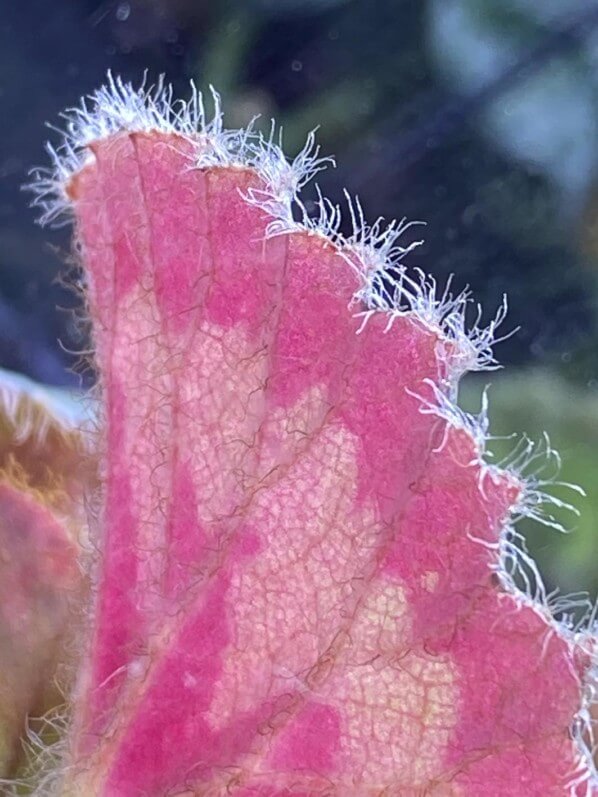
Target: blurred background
x,y
479,117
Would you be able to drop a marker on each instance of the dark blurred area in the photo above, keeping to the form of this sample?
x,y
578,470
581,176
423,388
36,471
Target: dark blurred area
x,y
479,117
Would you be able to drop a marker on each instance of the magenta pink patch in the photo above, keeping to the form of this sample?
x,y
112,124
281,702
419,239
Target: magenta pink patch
x,y
311,743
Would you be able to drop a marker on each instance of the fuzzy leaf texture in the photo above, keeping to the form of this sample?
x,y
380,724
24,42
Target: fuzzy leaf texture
x,y
306,578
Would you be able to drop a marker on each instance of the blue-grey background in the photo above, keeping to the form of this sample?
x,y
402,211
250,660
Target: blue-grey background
x,y
479,117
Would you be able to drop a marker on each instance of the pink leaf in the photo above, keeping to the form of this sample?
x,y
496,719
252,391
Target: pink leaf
x,y
39,581
43,472
301,586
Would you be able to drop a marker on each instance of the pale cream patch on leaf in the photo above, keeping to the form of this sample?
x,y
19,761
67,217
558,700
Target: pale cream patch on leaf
x,y
398,706
429,580
289,606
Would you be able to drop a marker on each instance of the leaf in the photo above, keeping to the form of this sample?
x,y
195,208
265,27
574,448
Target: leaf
x,y
306,570
45,435
41,522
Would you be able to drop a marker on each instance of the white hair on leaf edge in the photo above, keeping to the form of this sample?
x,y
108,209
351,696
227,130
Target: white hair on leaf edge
x,y
443,406
117,107
527,465
282,179
375,255
372,251
583,728
529,462
45,749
